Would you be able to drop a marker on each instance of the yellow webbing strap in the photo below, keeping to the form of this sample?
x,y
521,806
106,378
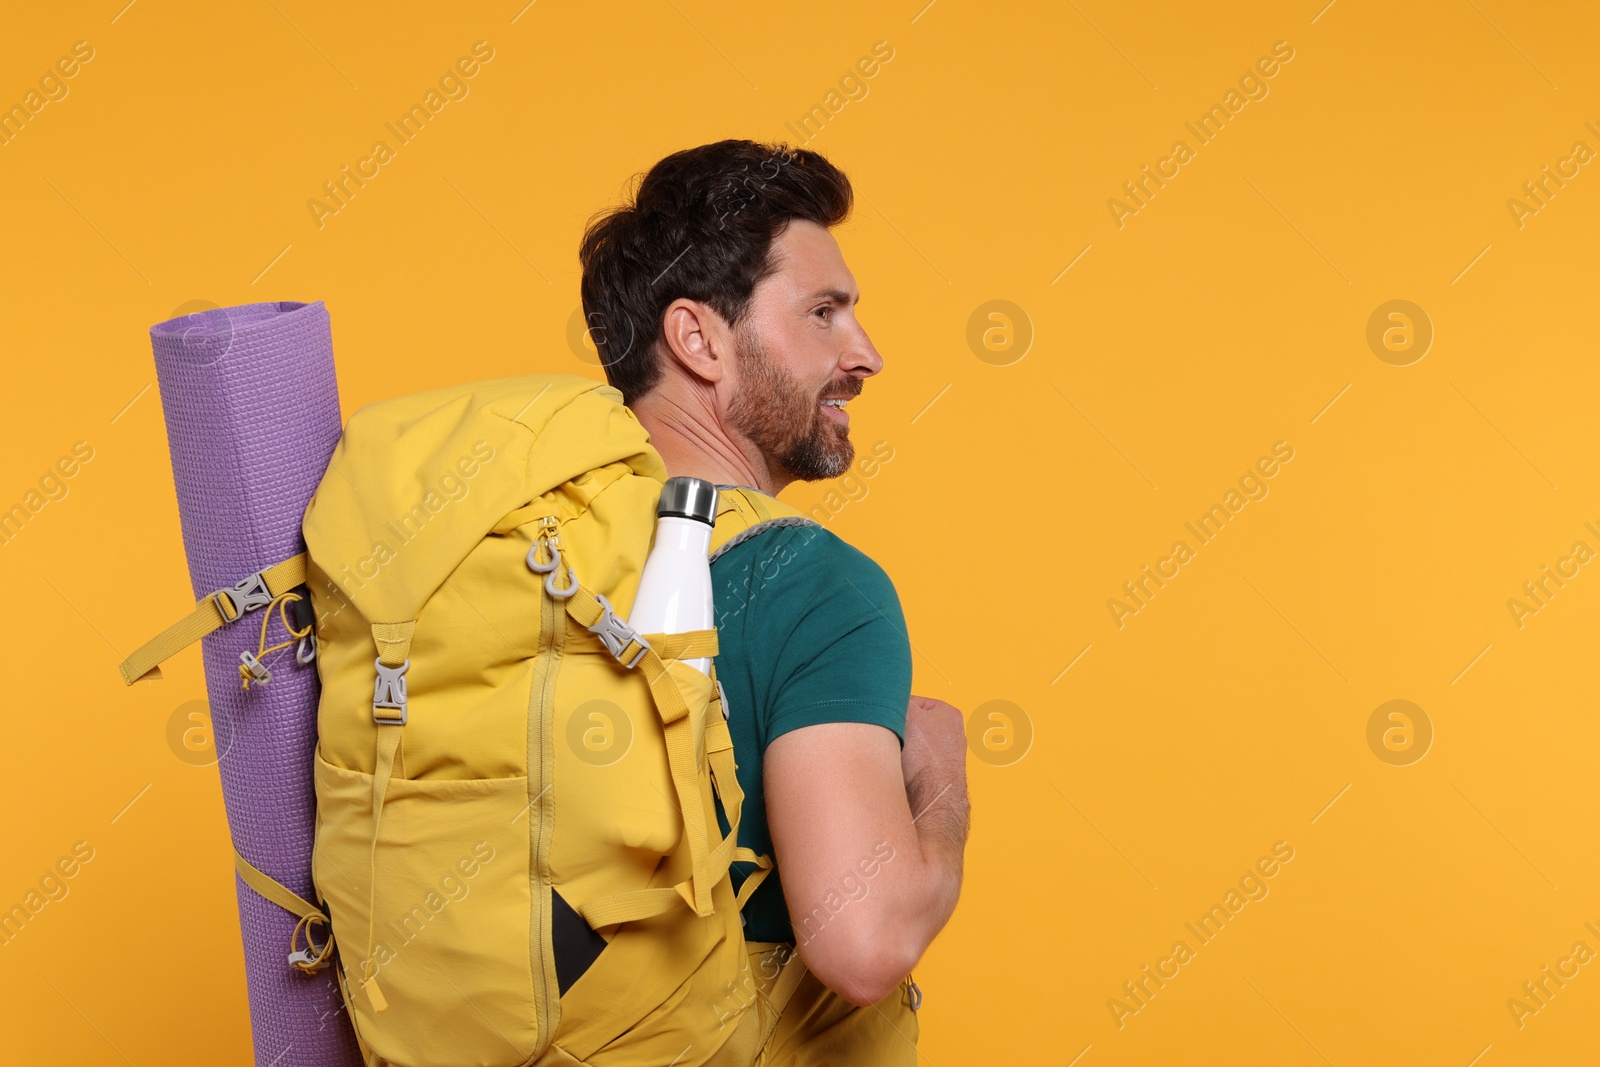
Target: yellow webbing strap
x,y
749,1043
209,614
640,904
725,779
670,647
685,769
394,648
753,881
747,503
630,907
387,745
783,990
708,863
314,957
269,888
693,645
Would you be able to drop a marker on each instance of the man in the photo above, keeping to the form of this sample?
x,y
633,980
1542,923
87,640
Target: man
x,y
723,310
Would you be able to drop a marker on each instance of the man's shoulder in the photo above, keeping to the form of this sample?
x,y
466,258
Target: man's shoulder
x,y
819,628
801,555
788,572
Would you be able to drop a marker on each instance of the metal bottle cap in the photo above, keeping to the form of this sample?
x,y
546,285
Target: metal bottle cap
x,y
689,498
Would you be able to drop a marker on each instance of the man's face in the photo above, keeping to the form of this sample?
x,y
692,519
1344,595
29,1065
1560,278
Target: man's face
x,y
799,345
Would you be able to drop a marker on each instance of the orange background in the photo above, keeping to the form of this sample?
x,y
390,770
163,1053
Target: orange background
x,y
1229,313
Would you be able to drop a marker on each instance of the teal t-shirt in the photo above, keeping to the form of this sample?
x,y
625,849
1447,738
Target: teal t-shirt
x,y
809,631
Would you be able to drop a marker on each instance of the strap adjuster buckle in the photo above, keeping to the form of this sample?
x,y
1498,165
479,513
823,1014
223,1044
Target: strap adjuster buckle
x,y
247,594
389,694
617,635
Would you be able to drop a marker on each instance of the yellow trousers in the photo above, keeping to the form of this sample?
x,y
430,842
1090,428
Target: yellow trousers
x,y
816,1027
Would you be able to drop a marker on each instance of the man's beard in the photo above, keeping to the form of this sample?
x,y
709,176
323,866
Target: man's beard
x,y
783,418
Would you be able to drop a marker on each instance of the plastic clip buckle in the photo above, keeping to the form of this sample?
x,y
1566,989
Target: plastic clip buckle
x,y
259,673
389,692
313,957
616,634
247,594
307,960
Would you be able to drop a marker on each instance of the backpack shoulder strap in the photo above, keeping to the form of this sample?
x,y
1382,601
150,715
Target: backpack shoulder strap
x,y
743,513
759,528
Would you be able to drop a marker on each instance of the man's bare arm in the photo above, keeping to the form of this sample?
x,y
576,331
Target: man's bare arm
x,y
870,841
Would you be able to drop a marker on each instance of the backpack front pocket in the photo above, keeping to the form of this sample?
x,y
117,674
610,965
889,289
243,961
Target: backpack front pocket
x,y
442,921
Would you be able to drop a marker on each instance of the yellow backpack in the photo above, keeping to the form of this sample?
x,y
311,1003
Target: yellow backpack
x,y
517,840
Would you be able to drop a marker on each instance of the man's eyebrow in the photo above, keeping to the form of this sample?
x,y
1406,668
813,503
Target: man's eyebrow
x,y
838,296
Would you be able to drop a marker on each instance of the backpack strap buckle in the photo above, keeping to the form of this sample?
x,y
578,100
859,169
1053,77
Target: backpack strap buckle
x,y
620,639
247,594
389,694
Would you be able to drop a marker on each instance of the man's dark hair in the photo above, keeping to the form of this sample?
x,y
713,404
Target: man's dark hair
x,y
700,226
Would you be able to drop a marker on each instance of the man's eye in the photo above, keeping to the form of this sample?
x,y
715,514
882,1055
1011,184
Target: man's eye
x,y
823,311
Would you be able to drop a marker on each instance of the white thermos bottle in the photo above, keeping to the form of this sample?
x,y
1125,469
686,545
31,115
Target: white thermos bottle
x,y
675,588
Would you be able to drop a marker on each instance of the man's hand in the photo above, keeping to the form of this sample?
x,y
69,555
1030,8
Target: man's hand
x,y
935,738
934,763
844,799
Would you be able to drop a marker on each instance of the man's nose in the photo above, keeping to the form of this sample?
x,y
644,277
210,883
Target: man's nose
x,y
862,357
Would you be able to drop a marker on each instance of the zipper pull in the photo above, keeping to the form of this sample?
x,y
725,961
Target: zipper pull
x,y
548,538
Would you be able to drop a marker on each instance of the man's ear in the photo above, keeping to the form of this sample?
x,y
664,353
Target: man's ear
x,y
697,339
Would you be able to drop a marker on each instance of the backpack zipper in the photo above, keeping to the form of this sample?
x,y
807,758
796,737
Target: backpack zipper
x,y
541,716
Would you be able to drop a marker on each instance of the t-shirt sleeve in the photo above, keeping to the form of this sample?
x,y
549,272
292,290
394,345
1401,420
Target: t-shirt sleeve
x,y
842,653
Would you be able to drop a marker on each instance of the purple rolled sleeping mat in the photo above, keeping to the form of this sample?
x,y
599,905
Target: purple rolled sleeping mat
x,y
252,412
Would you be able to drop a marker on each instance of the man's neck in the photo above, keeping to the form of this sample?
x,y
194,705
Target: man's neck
x,y
694,442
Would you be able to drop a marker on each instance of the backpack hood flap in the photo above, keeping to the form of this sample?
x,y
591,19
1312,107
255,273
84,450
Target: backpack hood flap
x,y
416,482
